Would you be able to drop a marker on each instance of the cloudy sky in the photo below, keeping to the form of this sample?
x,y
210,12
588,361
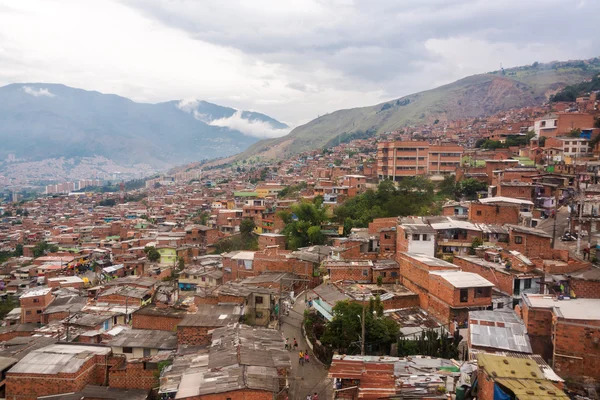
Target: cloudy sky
x,y
292,60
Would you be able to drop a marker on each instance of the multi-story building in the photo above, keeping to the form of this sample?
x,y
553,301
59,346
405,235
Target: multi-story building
x,y
396,160
556,124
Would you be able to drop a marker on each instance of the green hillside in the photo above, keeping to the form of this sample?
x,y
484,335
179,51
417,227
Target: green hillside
x,y
474,96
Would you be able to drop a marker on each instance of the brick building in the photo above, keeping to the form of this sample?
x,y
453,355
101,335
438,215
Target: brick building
x,y
514,281
57,368
452,294
444,290
33,304
160,318
196,329
566,332
529,241
396,160
242,363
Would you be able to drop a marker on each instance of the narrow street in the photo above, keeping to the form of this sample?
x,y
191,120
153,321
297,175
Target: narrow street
x,y
312,376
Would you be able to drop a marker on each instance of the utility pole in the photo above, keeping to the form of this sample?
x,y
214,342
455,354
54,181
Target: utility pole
x,y
362,321
555,216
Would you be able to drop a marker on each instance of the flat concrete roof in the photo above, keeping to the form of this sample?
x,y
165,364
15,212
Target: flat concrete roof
x,y
585,309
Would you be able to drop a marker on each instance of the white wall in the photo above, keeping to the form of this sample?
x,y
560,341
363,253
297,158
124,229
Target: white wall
x,y
426,247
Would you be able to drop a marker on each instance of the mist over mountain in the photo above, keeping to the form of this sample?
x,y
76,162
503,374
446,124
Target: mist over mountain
x,y
40,121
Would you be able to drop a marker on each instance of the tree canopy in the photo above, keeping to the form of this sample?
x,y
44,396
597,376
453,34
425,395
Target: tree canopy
x,y
412,196
44,247
152,254
303,224
345,330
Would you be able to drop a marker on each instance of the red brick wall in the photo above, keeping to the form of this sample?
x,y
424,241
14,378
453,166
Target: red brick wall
x,y
531,246
194,335
387,242
32,386
503,281
493,214
539,328
380,223
351,273
485,386
401,302
577,348
585,289
159,322
515,192
9,335
247,394
206,300
388,278
132,376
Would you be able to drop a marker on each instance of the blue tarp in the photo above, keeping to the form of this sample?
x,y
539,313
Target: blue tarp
x,y
499,394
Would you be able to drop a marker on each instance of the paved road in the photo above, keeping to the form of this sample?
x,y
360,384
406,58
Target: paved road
x,y
562,226
312,376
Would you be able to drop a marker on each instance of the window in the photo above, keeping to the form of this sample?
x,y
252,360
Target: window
x,y
425,237
543,124
147,353
555,122
416,236
518,239
483,292
383,274
127,350
203,279
527,283
27,312
38,311
258,299
394,274
479,212
365,272
386,236
500,305
36,300
464,295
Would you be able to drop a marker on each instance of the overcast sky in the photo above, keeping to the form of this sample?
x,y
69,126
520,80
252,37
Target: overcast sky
x,y
292,60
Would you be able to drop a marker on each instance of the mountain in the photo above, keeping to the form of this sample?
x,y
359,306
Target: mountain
x,y
40,121
474,96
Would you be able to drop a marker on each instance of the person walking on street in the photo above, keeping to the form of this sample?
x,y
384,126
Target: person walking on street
x,y
306,356
315,396
301,358
287,343
295,344
308,397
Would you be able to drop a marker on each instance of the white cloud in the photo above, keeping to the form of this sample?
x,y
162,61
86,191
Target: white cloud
x,y
292,60
259,129
41,92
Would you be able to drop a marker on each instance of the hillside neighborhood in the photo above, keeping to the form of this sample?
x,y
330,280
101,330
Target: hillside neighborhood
x,y
456,259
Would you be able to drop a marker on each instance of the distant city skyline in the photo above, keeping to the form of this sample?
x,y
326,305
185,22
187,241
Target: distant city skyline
x,y
292,60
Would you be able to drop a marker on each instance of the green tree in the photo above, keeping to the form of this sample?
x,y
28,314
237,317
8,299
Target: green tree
x,y
44,247
412,196
152,254
447,187
18,250
180,263
247,227
298,223
344,331
337,162
469,187
474,245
